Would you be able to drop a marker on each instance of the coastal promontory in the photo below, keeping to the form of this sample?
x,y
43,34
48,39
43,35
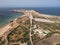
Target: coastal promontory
x,y
32,28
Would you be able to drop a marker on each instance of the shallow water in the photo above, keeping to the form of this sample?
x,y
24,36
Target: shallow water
x,y
6,16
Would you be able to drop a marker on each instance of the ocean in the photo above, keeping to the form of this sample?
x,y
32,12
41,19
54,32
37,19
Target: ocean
x,y
6,15
47,10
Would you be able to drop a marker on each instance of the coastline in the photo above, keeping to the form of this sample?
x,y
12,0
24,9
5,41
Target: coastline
x,y
6,17
7,26
4,29
25,11
4,25
44,15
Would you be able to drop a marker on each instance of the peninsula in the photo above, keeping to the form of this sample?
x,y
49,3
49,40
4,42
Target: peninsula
x,y
32,28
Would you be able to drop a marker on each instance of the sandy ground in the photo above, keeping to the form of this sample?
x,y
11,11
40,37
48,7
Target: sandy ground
x,y
52,40
43,20
8,27
4,29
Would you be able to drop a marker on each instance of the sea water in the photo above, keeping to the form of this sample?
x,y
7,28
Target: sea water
x,y
6,14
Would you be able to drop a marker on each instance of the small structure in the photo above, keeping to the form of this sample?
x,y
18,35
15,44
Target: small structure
x,y
40,32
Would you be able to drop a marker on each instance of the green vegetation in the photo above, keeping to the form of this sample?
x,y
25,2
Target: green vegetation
x,y
58,44
49,26
20,33
2,42
49,34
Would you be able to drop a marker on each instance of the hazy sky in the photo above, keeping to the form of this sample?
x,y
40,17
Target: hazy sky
x,y
29,3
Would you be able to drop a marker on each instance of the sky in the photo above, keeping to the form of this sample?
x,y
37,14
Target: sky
x,y
29,3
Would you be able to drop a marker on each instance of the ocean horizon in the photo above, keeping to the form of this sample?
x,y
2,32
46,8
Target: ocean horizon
x,y
6,15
